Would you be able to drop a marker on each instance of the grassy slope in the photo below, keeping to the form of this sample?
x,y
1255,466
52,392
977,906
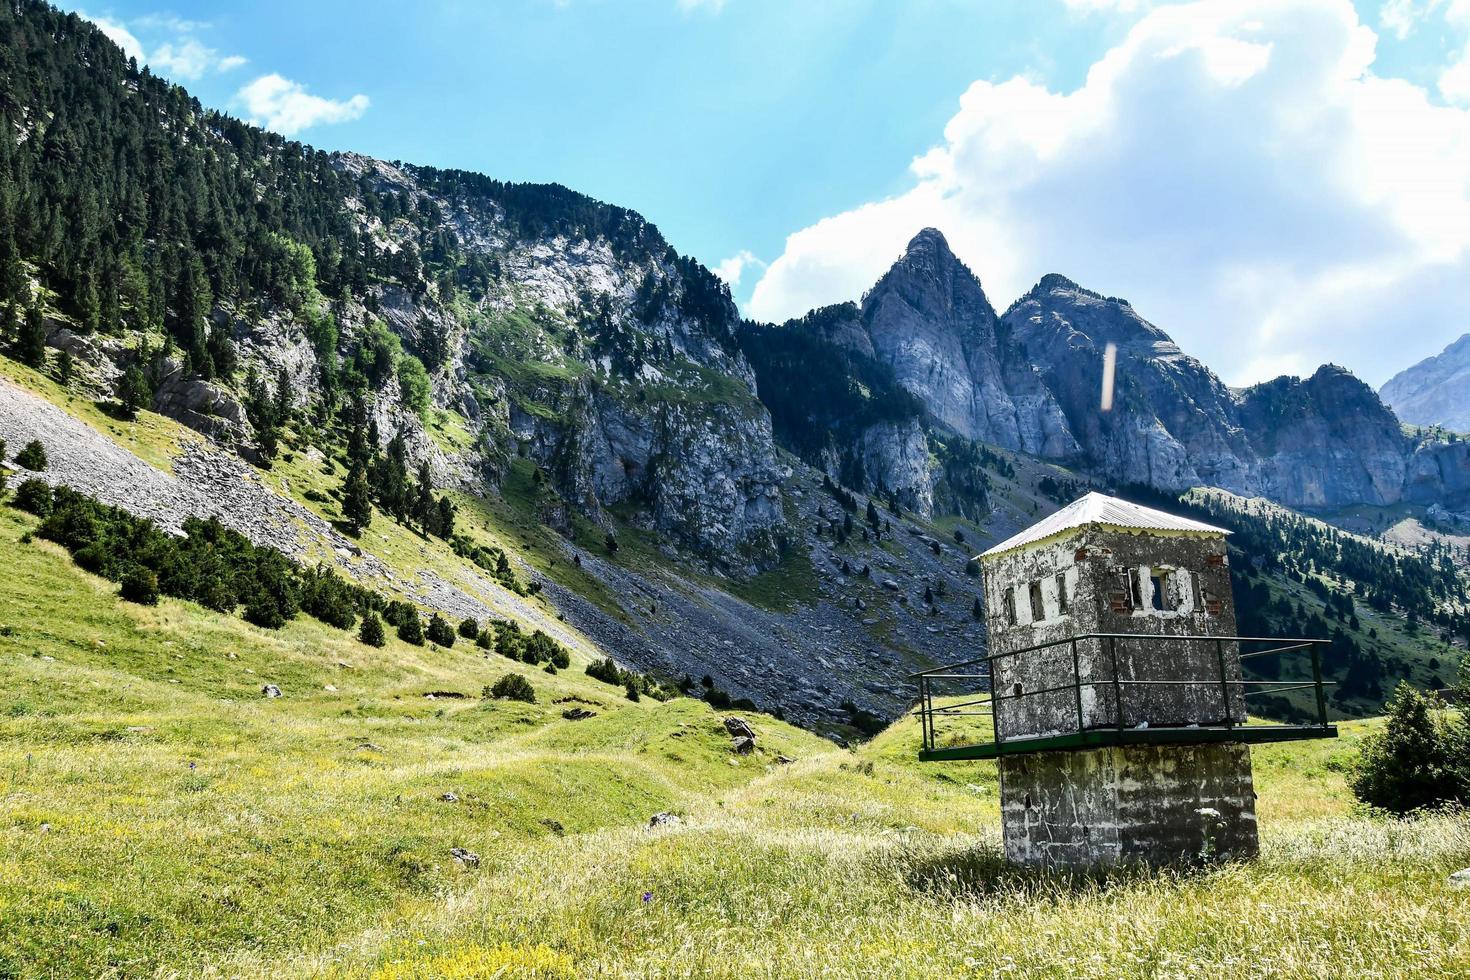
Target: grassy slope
x,y
154,808
157,814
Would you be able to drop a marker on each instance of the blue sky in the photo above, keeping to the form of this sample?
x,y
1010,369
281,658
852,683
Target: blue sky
x,y
788,131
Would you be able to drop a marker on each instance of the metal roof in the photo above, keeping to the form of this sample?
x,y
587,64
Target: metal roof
x,y
1098,509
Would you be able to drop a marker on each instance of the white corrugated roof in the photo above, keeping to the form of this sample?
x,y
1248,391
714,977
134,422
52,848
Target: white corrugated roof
x,y
1100,509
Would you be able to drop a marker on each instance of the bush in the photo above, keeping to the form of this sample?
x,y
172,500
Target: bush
x,y
140,585
211,564
35,496
606,671
439,631
32,457
469,629
325,595
1417,761
371,631
513,687
411,630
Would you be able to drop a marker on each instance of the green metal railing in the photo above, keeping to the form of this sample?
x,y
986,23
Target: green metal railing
x,y
979,674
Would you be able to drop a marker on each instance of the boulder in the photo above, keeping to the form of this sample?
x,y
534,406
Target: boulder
x,y
739,727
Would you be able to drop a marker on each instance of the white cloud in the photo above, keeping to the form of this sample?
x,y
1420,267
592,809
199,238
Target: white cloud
x,y
188,59
1400,17
1454,81
1093,6
181,57
286,107
734,267
119,35
1233,167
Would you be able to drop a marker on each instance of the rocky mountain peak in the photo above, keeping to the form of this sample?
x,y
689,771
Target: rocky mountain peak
x,y
1436,391
1053,281
930,247
932,281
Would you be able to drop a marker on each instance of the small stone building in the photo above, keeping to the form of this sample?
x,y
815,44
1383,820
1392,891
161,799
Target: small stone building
x,y
1105,670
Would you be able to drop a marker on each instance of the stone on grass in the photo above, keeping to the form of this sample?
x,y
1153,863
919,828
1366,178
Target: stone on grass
x,y
744,745
1461,879
467,858
450,797
739,728
664,819
271,691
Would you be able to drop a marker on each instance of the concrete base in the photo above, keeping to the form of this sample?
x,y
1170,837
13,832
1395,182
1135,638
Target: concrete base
x,y
1128,804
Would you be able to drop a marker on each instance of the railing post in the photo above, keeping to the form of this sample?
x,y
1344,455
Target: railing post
x,y
1077,676
926,717
1117,682
995,704
1317,680
1224,682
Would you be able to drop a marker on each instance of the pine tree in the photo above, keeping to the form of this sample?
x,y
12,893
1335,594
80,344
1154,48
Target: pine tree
x,y
9,325
371,631
440,631
222,352
191,324
357,504
446,518
30,346
411,629
424,509
133,391
390,478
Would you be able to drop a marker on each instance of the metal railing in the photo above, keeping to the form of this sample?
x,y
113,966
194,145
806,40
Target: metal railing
x,y
983,670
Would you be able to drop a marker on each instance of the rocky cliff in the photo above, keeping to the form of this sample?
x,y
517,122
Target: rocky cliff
x,y
1031,379
1436,391
929,320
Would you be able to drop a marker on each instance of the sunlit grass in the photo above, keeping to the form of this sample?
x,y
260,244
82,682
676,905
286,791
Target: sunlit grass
x,y
158,816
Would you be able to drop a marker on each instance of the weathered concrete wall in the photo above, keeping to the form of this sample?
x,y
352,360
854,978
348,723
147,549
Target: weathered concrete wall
x,y
1129,804
1107,580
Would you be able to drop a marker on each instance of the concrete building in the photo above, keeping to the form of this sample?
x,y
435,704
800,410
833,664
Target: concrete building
x,y
1117,691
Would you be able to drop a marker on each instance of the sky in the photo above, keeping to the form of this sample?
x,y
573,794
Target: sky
x,y
1276,183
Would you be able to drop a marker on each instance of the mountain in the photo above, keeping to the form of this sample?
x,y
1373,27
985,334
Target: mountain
x,y
506,401
1031,380
1436,391
515,403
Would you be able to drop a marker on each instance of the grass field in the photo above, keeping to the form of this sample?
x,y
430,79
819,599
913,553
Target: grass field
x,y
158,816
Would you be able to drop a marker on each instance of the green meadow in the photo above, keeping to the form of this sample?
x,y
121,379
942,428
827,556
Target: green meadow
x,y
160,817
